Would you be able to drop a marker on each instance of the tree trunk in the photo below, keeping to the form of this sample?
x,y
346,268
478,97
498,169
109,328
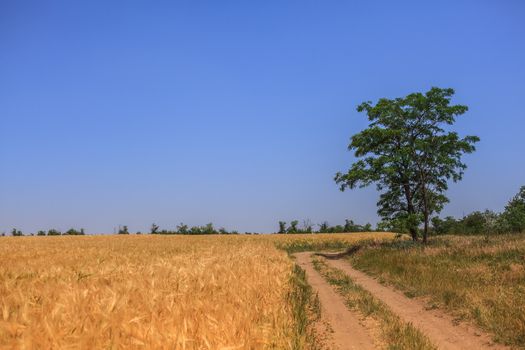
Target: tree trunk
x,y
410,210
413,233
425,212
425,229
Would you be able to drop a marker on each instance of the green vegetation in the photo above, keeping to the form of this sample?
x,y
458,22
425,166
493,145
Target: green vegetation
x,y
339,241
123,230
73,232
396,333
296,246
324,227
488,222
183,229
409,155
481,278
15,232
51,232
306,309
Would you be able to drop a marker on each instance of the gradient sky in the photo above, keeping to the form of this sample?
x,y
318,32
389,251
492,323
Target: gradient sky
x,y
238,113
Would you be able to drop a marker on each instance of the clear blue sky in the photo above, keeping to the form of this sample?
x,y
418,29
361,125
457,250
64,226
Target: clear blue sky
x,y
238,113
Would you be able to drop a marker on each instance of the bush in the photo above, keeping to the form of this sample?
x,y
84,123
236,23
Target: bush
x,y
282,226
154,229
123,230
293,227
324,227
16,233
73,232
513,218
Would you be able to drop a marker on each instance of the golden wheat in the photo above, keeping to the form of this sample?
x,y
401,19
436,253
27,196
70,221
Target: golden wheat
x,y
152,291
210,292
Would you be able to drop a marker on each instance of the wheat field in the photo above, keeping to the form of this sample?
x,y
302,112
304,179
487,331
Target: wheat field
x,y
143,291
151,291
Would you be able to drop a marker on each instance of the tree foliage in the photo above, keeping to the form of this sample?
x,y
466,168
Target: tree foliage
x,y
511,220
16,233
123,230
514,215
409,153
324,227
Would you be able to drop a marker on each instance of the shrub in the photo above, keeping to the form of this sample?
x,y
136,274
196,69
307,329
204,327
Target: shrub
x,y
74,232
282,226
513,218
123,230
16,233
182,229
154,229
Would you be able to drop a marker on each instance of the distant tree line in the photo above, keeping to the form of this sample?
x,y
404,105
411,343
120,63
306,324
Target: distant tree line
x,y
184,229
52,232
511,220
324,227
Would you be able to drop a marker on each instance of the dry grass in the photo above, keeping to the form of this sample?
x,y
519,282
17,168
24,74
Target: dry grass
x,y
473,277
326,241
388,330
116,292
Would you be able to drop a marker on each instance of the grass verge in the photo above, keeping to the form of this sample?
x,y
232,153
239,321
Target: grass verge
x,y
394,333
479,278
294,243
306,310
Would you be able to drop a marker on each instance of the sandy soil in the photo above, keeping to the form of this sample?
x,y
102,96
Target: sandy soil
x,y
347,331
438,326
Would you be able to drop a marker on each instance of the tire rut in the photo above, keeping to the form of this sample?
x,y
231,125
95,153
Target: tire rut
x,y
348,332
439,327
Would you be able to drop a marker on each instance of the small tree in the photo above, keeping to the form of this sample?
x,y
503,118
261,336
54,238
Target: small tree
x,y
154,229
123,230
16,233
208,229
41,233
195,230
308,227
282,226
53,232
410,156
73,232
513,218
182,229
323,227
293,226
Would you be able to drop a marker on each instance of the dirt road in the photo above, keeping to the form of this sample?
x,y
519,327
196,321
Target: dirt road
x,y
348,333
439,327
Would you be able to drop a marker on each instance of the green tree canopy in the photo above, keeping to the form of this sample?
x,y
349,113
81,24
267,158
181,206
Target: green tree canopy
x,y
514,215
410,154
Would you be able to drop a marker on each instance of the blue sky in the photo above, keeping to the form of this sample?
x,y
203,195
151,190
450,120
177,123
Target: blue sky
x,y
238,113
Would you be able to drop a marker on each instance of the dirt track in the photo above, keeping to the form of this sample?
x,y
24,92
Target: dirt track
x,y
438,326
348,333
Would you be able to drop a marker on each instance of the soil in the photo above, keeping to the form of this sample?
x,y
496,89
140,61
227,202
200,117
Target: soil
x,y
442,329
346,330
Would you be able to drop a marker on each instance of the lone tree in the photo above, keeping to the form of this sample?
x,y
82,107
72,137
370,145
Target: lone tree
x,y
407,152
